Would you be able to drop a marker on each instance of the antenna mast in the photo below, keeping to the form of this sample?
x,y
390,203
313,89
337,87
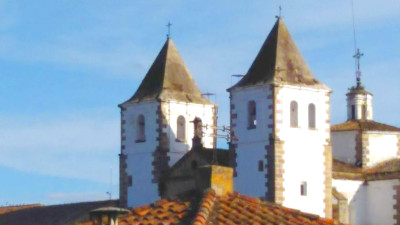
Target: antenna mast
x,y
357,56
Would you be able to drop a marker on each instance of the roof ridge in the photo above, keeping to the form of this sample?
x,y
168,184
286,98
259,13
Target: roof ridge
x,y
167,43
205,208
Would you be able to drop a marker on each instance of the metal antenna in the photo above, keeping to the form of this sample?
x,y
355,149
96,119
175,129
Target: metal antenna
x,y
169,29
357,56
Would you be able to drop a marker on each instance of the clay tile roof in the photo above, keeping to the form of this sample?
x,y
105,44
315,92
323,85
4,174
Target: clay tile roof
x,y
53,214
389,169
211,209
363,125
279,62
13,208
169,79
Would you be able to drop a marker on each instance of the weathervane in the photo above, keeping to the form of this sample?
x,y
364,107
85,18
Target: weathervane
x,y
169,29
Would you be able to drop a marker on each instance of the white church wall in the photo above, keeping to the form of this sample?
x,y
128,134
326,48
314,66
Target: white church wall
x,y
381,146
355,193
344,146
380,203
139,154
251,142
189,111
304,148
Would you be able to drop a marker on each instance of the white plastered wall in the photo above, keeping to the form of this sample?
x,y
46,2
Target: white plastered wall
x,y
381,146
139,155
304,148
380,203
172,110
356,195
344,146
251,142
370,203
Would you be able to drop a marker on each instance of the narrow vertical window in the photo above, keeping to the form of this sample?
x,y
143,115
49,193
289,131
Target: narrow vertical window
x,y
303,188
140,129
311,116
181,129
353,112
294,114
251,117
198,127
260,165
363,112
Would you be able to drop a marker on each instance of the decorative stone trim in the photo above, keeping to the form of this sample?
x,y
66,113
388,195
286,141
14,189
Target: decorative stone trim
x,y
123,175
359,148
123,181
365,150
232,145
214,111
328,179
160,155
328,163
274,155
398,145
396,206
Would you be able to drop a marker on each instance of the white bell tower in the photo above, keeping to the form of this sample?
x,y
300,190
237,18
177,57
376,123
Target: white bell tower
x,y
280,119
157,126
359,101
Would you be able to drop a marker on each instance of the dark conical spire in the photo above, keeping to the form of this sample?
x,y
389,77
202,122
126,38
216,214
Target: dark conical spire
x,y
279,61
169,79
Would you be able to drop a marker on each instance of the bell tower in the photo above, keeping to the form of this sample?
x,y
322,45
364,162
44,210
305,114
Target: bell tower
x,y
359,101
157,126
280,116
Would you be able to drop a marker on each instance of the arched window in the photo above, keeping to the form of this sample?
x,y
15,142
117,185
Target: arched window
x,y
294,114
181,128
311,116
140,129
251,115
303,188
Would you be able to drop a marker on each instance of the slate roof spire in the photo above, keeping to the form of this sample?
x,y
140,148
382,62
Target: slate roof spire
x,y
279,62
169,79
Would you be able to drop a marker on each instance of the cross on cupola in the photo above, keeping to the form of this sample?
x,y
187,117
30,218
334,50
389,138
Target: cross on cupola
x,y
357,57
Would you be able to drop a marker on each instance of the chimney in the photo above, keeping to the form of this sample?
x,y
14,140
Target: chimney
x,y
219,178
197,142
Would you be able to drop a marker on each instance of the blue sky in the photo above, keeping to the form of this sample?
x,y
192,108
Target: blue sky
x,y
65,66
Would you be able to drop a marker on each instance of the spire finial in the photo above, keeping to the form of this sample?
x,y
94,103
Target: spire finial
x,y
169,29
357,57
280,12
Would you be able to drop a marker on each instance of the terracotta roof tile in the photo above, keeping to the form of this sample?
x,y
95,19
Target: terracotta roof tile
x,y
13,208
231,209
389,169
363,125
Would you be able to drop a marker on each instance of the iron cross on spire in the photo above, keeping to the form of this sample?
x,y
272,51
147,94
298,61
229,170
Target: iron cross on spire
x,y
358,56
169,29
280,12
